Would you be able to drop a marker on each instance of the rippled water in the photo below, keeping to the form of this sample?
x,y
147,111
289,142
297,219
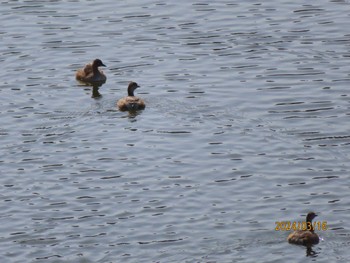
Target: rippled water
x,y
245,125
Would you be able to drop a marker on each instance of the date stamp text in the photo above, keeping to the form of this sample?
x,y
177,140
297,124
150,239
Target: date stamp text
x,y
288,225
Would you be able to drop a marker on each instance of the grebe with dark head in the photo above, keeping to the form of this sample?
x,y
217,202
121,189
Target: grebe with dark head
x,y
91,74
131,102
305,237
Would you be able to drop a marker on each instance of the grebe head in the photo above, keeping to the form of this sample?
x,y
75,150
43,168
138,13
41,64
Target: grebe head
x,y
98,63
310,216
132,86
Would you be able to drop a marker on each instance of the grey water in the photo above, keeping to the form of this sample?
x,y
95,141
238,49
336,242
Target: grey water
x,y
246,124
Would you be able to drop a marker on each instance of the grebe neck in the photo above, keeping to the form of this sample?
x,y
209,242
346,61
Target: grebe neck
x,y
309,219
130,91
95,68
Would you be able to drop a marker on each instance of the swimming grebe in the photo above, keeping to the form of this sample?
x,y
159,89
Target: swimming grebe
x,y
305,237
91,74
131,102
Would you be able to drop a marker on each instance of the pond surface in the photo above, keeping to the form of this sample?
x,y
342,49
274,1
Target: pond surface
x,y
246,125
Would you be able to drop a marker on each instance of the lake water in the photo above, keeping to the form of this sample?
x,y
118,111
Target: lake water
x,y
246,124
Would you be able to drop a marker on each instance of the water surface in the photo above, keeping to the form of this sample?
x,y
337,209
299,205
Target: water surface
x,y
245,125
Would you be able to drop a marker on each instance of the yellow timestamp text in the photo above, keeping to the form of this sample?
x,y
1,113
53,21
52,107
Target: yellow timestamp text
x,y
288,225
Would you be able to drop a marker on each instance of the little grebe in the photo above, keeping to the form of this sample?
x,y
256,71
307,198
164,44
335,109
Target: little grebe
x,y
91,74
131,102
305,237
